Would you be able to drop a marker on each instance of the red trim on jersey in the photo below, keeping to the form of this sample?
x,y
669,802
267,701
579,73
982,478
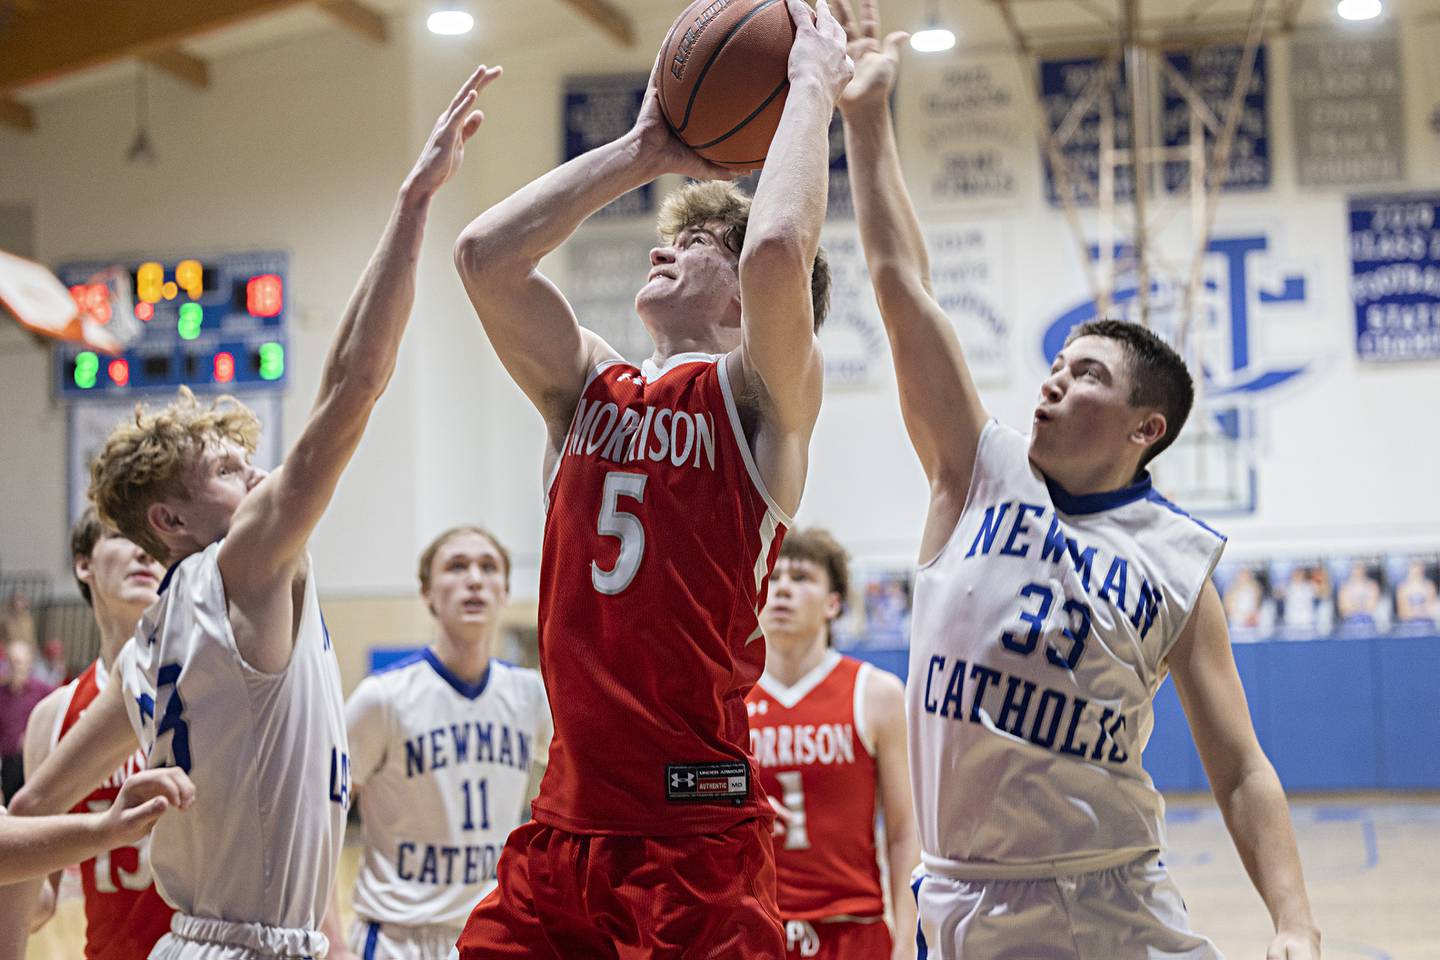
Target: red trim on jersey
x,y
814,762
658,549
124,914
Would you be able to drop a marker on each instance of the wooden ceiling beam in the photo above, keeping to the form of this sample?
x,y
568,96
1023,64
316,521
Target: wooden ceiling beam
x,y
611,20
182,66
15,114
62,38
357,17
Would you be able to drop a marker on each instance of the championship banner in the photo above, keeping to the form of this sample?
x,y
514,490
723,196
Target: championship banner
x,y
1213,72
1395,277
1346,97
598,109
1062,84
964,133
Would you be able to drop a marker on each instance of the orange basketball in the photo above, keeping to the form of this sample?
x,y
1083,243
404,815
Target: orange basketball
x,y
724,77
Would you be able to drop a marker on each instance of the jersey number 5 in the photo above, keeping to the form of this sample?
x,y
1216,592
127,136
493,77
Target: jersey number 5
x,y
623,526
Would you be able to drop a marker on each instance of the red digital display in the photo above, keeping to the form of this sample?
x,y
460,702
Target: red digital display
x,y
264,295
224,367
144,311
119,372
94,299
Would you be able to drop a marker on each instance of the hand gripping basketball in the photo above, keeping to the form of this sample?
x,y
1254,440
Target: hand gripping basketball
x,y
819,50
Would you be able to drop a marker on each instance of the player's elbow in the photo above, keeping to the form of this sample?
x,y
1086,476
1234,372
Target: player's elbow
x,y
27,802
777,255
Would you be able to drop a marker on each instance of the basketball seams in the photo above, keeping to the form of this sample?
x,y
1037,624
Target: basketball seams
x,y
714,55
783,87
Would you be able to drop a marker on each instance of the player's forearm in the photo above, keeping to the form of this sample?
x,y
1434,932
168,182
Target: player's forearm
x,y
1258,818
17,903
31,847
890,232
789,203
516,234
902,853
366,344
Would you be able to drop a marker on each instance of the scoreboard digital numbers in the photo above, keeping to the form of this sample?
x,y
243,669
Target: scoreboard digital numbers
x,y
215,324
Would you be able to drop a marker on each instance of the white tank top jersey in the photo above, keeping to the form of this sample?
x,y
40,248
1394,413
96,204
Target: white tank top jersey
x,y
267,753
1038,641
442,768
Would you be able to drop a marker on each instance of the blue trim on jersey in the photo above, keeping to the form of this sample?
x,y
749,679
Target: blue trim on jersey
x,y
1067,502
370,940
467,690
409,660
922,949
169,572
1155,497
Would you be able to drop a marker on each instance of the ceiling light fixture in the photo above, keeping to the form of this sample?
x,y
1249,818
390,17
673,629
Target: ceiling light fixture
x,y
450,23
933,38
1359,9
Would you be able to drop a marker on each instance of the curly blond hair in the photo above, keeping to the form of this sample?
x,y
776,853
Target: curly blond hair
x,y
145,460
711,202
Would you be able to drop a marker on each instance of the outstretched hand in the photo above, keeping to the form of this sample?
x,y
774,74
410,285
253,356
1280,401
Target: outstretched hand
x,y
876,61
445,149
143,799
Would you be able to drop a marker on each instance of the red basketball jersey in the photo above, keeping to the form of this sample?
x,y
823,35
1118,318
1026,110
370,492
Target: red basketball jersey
x,y
659,542
814,760
124,915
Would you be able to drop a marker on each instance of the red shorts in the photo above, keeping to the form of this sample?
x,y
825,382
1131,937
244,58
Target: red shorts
x,y
837,940
567,895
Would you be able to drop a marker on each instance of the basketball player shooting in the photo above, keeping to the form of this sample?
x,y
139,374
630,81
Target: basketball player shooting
x,y
231,676
1056,590
669,488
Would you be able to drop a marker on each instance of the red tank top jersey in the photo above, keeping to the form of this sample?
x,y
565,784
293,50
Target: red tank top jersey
x,y
659,542
124,915
815,763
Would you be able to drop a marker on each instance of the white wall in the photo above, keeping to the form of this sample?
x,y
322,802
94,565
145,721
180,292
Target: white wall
x,y
302,145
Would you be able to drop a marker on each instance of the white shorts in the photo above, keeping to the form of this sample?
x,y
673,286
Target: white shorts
x,y
1130,911
393,941
201,938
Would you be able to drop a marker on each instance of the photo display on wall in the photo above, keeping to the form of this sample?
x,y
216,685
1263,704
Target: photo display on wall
x,y
1063,83
1395,277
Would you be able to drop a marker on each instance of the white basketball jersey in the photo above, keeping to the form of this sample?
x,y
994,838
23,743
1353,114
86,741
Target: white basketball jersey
x,y
267,753
1038,641
442,769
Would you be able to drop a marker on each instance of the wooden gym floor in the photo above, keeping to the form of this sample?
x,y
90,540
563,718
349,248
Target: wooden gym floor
x,y
1372,863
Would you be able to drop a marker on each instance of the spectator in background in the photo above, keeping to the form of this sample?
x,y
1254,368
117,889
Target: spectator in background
x,y
51,666
18,696
1358,599
1415,597
1242,600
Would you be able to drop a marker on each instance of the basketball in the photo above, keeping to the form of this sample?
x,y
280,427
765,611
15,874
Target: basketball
x,y
723,78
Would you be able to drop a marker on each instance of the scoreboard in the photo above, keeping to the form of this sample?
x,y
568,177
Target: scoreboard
x,y
213,324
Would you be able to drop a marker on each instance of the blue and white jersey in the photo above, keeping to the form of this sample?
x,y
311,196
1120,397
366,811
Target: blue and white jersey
x,y
1038,641
443,770
267,753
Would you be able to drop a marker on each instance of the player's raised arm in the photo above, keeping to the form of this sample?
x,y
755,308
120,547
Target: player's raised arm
x,y
1244,783
527,318
779,352
941,406
268,535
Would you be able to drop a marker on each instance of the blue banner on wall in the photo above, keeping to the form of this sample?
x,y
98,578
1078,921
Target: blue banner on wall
x,y
599,109
1062,84
1395,277
1212,72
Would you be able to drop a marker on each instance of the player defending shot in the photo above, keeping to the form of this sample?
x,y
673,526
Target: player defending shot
x,y
828,733
231,676
1056,590
124,915
669,487
443,747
